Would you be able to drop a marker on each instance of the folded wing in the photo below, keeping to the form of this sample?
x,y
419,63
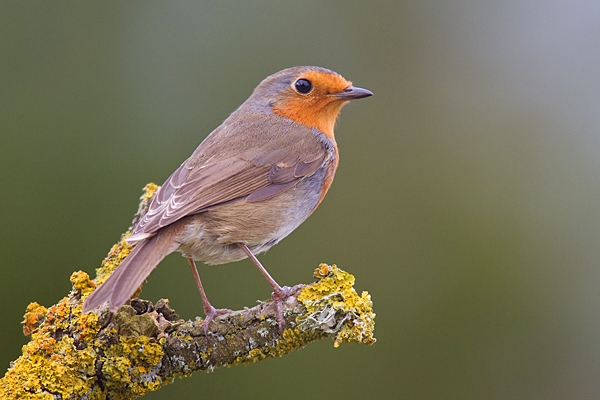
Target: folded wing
x,y
256,174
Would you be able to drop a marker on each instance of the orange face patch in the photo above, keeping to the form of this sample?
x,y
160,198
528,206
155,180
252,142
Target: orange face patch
x,y
324,83
320,107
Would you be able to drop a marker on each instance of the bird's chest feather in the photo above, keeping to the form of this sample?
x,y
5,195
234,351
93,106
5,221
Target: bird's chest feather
x,y
211,236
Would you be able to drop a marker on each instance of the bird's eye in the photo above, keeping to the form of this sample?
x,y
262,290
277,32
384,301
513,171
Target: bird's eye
x,y
303,86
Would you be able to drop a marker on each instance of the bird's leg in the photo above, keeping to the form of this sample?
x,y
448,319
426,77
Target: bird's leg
x,y
279,292
209,311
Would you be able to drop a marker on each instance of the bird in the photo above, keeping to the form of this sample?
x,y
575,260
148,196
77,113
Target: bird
x,y
249,184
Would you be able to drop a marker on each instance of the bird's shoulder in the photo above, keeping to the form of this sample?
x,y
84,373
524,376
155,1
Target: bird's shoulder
x,y
260,139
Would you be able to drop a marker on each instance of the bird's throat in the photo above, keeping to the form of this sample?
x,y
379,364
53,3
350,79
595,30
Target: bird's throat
x,y
322,118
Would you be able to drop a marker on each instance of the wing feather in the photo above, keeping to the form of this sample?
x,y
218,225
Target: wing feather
x,y
256,174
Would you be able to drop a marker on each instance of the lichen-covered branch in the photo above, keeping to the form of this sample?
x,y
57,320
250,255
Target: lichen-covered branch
x,y
145,346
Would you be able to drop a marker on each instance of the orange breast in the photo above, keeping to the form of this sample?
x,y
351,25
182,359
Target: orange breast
x,y
329,175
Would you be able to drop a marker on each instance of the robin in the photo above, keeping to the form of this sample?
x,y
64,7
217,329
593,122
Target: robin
x,y
248,185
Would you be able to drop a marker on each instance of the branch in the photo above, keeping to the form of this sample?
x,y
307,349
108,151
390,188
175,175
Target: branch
x,y
145,346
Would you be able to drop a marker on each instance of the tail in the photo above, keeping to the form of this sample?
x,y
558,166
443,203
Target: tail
x,y
129,276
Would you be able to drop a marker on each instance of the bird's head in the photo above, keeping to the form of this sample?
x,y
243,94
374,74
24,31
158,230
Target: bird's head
x,y
312,96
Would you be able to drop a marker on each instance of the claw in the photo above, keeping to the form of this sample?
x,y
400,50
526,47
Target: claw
x,y
210,315
209,311
279,295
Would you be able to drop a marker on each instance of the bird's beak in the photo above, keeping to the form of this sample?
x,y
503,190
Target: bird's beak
x,y
351,93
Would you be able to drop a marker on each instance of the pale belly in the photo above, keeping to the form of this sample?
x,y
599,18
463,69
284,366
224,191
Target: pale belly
x,y
212,236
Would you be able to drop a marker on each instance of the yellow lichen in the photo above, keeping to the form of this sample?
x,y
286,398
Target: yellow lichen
x,y
149,191
292,339
49,366
61,356
334,293
331,295
116,255
295,339
66,366
132,365
66,348
122,249
34,315
81,282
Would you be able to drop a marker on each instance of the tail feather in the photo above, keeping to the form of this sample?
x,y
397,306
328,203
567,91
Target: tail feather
x,y
129,276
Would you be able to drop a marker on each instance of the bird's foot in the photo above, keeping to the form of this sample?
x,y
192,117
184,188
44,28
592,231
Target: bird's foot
x,y
279,295
210,313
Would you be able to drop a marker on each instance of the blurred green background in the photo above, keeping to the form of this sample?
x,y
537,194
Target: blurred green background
x,y
467,201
